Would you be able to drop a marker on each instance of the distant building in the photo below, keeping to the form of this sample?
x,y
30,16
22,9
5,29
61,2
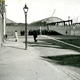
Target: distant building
x,y
75,29
62,27
52,23
43,24
11,27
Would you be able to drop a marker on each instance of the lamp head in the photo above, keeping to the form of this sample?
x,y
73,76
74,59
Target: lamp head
x,y
25,8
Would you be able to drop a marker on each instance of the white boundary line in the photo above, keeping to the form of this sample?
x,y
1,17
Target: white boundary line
x,y
63,42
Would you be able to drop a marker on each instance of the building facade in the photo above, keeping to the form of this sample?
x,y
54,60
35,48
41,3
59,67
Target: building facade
x,y
2,20
62,27
50,24
75,29
11,27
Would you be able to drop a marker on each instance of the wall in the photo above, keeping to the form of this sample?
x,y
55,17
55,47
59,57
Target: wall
x,y
61,29
71,30
75,30
0,32
36,27
11,29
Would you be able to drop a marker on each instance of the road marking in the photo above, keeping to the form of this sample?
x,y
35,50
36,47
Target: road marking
x,y
63,42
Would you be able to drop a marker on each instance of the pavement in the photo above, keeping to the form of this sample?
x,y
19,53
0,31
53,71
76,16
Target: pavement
x,y
19,64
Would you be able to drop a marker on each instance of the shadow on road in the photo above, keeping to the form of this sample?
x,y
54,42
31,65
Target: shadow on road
x,y
12,44
72,41
16,47
52,44
68,60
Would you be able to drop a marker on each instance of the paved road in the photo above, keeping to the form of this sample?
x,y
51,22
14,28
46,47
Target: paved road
x,y
43,60
54,51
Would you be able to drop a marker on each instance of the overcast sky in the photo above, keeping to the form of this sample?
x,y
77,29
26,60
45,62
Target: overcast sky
x,y
40,9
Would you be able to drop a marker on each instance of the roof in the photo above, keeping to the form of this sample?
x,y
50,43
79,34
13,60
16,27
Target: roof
x,y
9,21
60,22
46,20
15,24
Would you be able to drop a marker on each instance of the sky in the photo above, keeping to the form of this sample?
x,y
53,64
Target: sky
x,y
40,9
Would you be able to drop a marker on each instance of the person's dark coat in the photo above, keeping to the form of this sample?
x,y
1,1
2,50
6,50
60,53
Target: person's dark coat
x,y
35,35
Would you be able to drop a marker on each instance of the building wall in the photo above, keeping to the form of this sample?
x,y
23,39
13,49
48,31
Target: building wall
x,y
2,10
61,29
11,29
75,30
38,27
0,32
71,30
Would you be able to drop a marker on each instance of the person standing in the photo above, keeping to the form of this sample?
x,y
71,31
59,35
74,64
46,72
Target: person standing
x,y
21,32
16,36
35,36
66,32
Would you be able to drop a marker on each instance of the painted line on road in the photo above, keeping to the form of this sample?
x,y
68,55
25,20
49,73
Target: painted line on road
x,y
63,42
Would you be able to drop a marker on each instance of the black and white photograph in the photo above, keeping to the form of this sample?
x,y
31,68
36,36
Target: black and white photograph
x,y
39,39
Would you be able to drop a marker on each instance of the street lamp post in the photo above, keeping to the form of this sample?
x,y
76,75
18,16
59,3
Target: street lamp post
x,y
25,8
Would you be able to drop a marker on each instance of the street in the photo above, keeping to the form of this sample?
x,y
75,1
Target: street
x,y
58,53
46,59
